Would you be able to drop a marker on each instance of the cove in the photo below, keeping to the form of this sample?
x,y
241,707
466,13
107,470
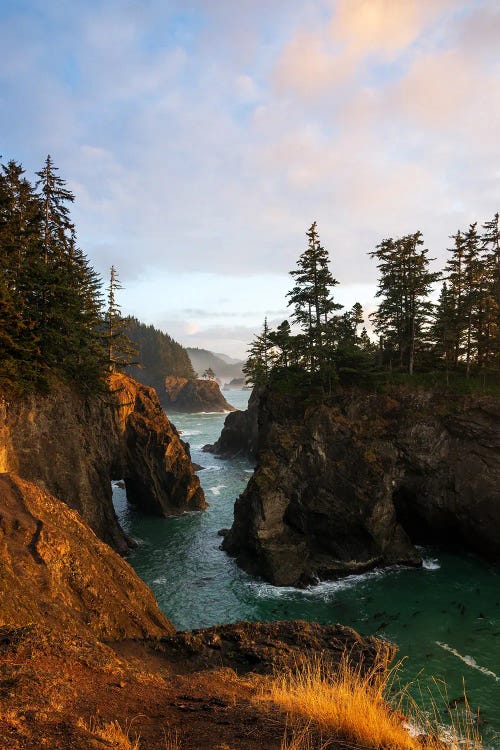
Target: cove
x,y
445,617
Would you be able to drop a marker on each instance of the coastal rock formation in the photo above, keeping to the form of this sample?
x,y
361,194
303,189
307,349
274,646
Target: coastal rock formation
x,y
56,572
191,396
236,384
73,445
264,647
64,689
240,434
354,484
86,656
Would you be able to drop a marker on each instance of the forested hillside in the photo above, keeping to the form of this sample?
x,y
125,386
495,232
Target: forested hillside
x,y
158,355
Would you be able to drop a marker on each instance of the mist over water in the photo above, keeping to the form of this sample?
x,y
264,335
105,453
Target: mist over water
x,y
445,617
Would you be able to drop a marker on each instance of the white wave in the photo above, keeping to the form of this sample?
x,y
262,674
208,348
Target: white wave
x,y
190,432
213,412
431,564
141,542
469,660
213,468
161,581
216,490
324,590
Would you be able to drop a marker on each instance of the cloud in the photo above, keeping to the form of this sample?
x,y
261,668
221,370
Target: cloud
x,y
206,137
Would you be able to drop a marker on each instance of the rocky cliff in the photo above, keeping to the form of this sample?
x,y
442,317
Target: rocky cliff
x,y
191,396
56,572
87,659
73,446
240,434
354,484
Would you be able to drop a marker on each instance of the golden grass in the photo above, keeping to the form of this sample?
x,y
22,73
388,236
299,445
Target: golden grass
x,y
354,707
112,733
172,741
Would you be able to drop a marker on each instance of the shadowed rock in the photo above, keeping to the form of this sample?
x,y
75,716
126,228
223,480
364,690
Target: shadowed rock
x,y
240,434
266,646
352,485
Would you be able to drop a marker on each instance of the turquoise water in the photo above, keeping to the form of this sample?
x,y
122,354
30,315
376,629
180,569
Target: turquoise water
x,y
445,617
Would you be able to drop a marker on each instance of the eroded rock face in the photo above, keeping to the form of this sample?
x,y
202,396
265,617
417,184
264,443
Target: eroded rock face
x,y
353,485
191,396
56,572
72,446
240,434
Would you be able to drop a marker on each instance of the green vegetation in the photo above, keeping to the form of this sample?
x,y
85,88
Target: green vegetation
x,y
454,343
209,374
121,351
158,355
52,323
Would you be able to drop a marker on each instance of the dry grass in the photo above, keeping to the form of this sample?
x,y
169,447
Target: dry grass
x,y
112,733
354,707
172,741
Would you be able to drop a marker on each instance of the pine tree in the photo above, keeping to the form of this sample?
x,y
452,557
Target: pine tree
x,y
260,358
312,299
472,298
491,250
281,339
50,295
402,318
121,351
58,229
455,279
443,330
209,374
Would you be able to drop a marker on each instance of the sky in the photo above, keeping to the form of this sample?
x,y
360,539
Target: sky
x,y
201,138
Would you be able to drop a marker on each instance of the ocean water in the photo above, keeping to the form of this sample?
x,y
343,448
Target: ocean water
x,y
445,617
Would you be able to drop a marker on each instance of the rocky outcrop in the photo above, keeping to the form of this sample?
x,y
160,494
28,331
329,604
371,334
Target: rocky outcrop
x,y
191,396
354,484
236,384
56,572
240,434
73,445
265,647
58,691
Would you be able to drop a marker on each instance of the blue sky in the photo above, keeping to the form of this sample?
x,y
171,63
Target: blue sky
x,y
202,138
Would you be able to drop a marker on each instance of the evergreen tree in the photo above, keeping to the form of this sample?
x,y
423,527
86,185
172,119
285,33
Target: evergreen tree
x,y
50,295
281,339
121,351
443,331
58,229
260,357
19,272
209,374
455,278
491,250
405,281
472,298
312,299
